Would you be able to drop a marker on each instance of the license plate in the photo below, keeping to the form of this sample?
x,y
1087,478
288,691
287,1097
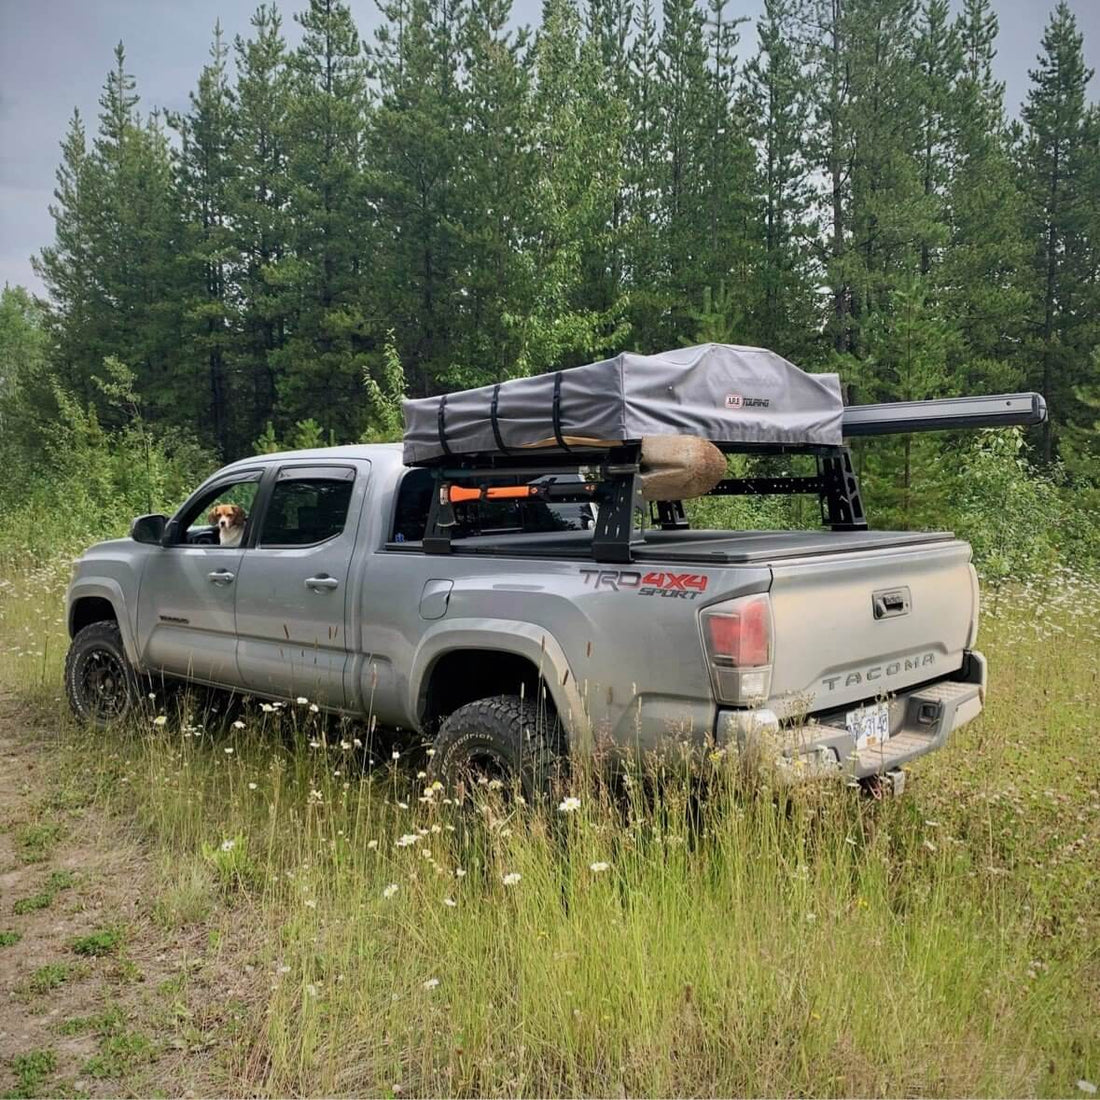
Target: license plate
x,y
870,726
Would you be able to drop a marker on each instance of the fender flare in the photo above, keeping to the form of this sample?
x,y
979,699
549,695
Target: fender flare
x,y
110,590
521,639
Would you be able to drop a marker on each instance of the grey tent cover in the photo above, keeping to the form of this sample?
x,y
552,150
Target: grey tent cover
x,y
720,392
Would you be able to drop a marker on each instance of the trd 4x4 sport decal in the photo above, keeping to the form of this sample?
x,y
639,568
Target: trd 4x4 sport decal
x,y
683,586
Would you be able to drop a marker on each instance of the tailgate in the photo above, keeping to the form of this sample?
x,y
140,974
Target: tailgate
x,y
858,626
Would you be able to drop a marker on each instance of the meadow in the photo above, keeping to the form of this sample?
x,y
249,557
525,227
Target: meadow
x,y
726,938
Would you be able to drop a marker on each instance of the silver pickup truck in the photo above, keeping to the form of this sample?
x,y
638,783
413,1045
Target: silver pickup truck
x,y
839,650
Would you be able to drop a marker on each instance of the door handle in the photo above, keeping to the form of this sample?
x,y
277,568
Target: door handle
x,y
221,576
320,582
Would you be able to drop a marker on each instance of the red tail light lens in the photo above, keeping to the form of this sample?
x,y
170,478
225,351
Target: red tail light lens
x,y
739,633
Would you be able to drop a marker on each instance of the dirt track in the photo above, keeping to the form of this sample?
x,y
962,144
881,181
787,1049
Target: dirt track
x,y
142,1009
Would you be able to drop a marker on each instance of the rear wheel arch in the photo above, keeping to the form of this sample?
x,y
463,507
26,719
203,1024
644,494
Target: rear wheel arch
x,y
459,676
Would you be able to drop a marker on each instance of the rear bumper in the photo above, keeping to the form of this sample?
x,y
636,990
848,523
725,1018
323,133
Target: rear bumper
x,y
921,720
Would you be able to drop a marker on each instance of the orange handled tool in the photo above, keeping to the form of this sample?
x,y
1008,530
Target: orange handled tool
x,y
500,492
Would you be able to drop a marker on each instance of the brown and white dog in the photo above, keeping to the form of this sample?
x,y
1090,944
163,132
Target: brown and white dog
x,y
229,520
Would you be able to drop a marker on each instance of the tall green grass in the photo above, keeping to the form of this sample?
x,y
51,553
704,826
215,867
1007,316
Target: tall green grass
x,y
722,939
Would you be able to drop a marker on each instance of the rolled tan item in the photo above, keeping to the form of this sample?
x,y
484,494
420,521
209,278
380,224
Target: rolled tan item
x,y
674,467
679,467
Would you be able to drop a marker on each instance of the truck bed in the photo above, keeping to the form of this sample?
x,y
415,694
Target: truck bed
x,y
715,547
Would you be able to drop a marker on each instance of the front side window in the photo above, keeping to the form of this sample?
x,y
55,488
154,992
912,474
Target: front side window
x,y
221,515
307,508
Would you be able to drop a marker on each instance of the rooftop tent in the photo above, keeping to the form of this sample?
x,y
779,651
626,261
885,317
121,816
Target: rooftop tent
x,y
720,392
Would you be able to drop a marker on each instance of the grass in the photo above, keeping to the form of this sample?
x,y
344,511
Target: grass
x,y
9,937
752,942
35,842
104,941
120,1053
31,1072
55,884
49,977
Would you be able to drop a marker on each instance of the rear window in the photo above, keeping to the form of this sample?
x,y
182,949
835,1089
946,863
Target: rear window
x,y
484,517
307,510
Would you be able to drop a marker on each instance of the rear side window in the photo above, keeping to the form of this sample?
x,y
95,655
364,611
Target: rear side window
x,y
486,517
307,508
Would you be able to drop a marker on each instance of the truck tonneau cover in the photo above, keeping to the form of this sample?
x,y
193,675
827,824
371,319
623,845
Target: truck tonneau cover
x,y
717,547
754,547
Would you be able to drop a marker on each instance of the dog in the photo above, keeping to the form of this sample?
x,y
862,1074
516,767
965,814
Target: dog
x,y
229,520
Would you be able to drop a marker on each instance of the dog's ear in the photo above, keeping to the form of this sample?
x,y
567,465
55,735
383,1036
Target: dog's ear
x,y
238,513
212,519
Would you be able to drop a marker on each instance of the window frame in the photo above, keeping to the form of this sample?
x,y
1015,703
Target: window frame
x,y
259,474
301,471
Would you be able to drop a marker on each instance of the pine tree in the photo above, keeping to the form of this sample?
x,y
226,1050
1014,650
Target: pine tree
x,y
259,193
579,174
68,269
112,267
416,137
938,56
784,313
643,259
204,171
979,278
1055,162
320,363
493,196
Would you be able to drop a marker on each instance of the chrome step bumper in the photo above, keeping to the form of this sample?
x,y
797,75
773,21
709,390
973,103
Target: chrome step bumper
x,y
920,722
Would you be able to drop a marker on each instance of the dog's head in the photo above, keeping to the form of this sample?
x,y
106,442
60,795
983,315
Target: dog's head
x,y
226,517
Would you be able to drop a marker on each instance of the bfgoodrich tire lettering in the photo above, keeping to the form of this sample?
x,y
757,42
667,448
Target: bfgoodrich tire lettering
x,y
503,737
99,680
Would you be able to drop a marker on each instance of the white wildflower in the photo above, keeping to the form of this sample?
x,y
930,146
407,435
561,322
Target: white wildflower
x,y
511,878
251,786
390,890
160,720
238,725
314,708
431,983
569,805
372,845
228,845
599,867
301,700
450,902
407,839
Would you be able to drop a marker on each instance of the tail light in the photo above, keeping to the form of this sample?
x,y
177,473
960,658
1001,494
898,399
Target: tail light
x,y
737,637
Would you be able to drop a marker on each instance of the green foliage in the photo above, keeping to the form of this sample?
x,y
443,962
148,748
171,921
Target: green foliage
x,y
49,977
120,1054
94,479
386,395
336,226
34,843
104,941
9,937
1013,518
30,904
31,1072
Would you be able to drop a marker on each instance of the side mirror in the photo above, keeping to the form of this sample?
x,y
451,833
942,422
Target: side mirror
x,y
149,529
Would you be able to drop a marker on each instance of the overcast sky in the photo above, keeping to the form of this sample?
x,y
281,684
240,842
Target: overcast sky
x,y
54,55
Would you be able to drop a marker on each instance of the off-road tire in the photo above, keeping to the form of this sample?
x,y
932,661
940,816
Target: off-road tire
x,y
101,684
505,734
